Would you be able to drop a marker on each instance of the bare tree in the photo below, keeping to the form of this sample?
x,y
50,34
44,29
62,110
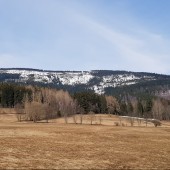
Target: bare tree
x,y
49,103
100,119
112,104
131,121
63,110
158,109
81,118
91,117
166,115
34,111
20,112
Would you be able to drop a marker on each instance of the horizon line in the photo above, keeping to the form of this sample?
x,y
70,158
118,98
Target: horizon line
x,y
44,70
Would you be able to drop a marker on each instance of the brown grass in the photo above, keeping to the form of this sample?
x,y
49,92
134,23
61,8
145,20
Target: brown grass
x,y
68,146
8,110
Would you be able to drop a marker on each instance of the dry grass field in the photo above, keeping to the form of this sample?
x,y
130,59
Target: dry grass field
x,y
56,145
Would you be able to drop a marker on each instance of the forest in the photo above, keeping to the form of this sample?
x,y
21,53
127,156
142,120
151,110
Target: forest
x,y
42,103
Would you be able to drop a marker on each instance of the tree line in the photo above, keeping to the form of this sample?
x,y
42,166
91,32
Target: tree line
x,y
11,95
42,103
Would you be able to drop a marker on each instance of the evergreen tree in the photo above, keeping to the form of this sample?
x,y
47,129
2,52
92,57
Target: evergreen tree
x,y
123,108
129,108
140,109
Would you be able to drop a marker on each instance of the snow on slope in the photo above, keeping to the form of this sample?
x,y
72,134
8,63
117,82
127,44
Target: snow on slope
x,y
75,78
66,78
114,81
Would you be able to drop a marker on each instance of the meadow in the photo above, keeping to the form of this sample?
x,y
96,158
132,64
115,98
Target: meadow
x,y
56,145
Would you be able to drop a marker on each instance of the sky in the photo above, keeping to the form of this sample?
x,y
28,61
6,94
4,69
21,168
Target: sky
x,y
131,35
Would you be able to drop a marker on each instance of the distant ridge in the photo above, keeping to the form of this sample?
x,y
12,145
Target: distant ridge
x,y
77,71
99,81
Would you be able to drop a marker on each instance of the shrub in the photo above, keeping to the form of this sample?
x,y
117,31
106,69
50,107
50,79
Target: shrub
x,y
123,124
116,123
156,123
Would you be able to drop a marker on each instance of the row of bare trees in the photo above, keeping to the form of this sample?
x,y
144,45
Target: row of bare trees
x,y
90,118
48,104
161,109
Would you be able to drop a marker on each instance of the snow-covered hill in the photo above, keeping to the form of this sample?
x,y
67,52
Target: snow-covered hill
x,y
94,80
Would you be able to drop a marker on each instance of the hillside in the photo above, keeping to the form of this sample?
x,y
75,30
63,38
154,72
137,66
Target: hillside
x,y
100,81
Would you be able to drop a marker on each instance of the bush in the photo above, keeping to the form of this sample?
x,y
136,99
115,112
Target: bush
x,y
123,124
59,114
116,123
156,123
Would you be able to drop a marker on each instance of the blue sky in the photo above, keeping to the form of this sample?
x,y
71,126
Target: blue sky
x,y
128,35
